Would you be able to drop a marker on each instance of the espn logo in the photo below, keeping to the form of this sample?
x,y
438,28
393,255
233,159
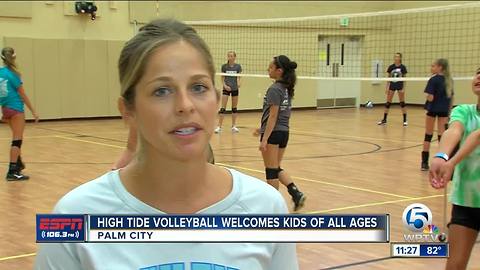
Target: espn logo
x,y
61,223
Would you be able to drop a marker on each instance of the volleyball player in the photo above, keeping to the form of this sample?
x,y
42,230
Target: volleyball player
x,y
168,94
13,98
231,87
395,70
465,195
439,94
277,106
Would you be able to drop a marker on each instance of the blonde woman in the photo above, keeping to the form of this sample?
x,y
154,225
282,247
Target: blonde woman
x,y
439,95
13,98
169,97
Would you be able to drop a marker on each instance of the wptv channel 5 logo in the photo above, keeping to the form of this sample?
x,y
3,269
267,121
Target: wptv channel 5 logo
x,y
417,219
54,228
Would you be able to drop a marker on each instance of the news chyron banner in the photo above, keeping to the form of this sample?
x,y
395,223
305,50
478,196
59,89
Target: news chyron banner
x,y
213,228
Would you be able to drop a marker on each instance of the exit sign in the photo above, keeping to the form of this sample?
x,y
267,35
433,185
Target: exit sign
x,y
344,22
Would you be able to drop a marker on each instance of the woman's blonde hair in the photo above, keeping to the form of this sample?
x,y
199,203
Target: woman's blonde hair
x,y
448,76
137,51
8,57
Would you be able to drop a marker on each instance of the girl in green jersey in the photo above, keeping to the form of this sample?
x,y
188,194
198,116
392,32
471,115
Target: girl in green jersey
x,y
465,222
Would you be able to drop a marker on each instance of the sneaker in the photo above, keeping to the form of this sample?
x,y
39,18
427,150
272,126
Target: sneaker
x,y
425,166
298,200
16,176
382,122
405,124
218,129
235,129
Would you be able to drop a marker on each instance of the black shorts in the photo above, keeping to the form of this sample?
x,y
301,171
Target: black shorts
x,y
394,89
466,216
279,138
233,93
437,114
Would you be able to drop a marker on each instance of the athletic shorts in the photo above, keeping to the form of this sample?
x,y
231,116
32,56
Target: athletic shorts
x,y
466,216
394,89
437,114
228,93
8,113
279,138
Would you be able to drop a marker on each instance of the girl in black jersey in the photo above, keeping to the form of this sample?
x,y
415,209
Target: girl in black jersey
x,y
439,94
395,70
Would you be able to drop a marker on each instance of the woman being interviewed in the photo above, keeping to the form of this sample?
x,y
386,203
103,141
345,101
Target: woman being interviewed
x,y
168,96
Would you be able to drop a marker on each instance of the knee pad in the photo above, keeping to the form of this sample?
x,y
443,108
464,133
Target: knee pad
x,y
271,173
387,105
428,137
222,110
234,110
17,143
402,104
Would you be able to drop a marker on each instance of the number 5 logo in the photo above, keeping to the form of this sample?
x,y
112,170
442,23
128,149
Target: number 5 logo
x,y
416,217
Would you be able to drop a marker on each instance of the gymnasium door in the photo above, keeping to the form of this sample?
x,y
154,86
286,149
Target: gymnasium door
x,y
339,57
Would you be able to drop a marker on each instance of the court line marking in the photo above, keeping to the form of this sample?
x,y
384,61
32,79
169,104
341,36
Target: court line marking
x,y
322,182
31,137
353,137
375,204
357,263
253,170
85,141
341,135
17,256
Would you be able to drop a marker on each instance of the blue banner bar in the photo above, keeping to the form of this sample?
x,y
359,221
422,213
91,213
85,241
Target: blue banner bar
x,y
239,222
434,250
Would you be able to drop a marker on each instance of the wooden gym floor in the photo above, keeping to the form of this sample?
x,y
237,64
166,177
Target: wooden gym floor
x,y
341,159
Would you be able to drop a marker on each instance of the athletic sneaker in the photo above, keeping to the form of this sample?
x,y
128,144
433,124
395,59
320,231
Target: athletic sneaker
x,y
218,129
382,122
298,200
235,129
16,176
425,166
405,124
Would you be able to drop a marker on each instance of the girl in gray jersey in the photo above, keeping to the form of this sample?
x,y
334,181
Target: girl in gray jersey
x,y
231,86
274,128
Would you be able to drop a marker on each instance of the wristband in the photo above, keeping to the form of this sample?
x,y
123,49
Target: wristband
x,y
442,156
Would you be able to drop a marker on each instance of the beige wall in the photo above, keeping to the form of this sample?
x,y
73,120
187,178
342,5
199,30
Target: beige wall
x,y
16,9
69,62
56,21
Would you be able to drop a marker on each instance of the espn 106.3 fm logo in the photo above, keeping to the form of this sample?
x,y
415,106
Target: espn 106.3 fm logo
x,y
417,219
